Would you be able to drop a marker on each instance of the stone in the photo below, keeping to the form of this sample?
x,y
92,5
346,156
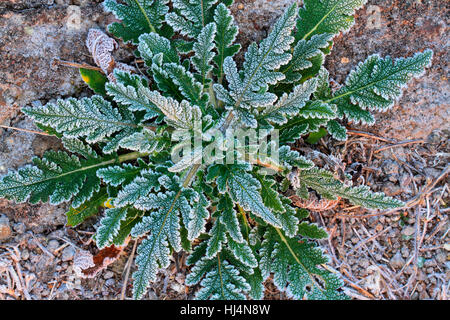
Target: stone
x,y
52,245
5,228
68,253
408,231
20,228
405,252
108,275
397,260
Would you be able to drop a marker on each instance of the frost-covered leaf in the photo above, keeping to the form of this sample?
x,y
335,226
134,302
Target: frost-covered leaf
x,y
228,217
139,188
120,174
152,44
145,141
193,16
55,178
259,69
164,228
243,189
198,217
191,89
325,184
290,105
326,16
376,84
89,208
133,94
109,226
93,118
318,110
336,130
291,158
296,266
269,194
303,52
180,115
77,146
225,36
203,52
311,230
220,278
298,126
138,17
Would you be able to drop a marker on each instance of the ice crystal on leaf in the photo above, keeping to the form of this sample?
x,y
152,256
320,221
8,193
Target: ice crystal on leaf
x,y
238,223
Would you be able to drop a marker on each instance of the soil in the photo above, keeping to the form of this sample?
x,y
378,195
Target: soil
x,y
397,254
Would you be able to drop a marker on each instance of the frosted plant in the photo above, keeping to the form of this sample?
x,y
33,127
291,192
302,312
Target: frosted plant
x,y
236,222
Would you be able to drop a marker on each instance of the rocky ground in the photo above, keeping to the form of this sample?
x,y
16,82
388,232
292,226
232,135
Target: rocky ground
x,y
402,254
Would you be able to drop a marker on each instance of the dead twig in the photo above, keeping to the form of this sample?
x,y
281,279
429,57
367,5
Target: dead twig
x,y
399,144
127,274
25,130
75,65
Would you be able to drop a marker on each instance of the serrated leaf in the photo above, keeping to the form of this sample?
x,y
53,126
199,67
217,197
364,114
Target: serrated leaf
x,y
290,105
376,84
55,178
326,16
93,118
203,52
89,208
193,16
109,226
311,231
138,17
225,36
302,56
134,95
336,130
296,267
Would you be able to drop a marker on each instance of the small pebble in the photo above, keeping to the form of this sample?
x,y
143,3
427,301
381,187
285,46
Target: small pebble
x,y
5,228
20,228
110,282
397,261
408,231
405,252
108,275
52,245
68,253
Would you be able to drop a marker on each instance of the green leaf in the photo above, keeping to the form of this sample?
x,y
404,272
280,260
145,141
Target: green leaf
x,y
243,189
376,84
164,228
95,80
311,231
336,130
270,196
110,226
290,105
87,209
259,70
93,118
203,52
138,17
314,137
325,184
297,268
219,280
326,16
226,34
193,16
55,178
302,56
